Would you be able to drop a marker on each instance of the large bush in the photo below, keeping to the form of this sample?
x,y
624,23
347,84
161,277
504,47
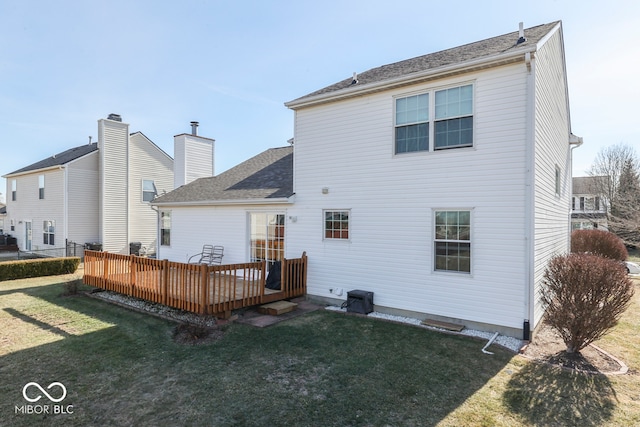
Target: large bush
x,y
584,295
23,269
599,242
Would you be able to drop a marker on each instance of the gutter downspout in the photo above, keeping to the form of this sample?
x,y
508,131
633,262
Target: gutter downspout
x,y
65,204
154,208
529,204
574,142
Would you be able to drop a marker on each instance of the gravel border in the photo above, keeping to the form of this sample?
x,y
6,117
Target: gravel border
x,y
510,343
156,309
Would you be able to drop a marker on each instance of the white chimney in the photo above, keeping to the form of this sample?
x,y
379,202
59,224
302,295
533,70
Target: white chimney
x,y
193,157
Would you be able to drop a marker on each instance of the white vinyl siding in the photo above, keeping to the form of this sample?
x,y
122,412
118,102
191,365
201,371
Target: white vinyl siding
x,y
125,161
228,226
551,210
393,197
194,158
29,208
146,162
83,200
114,208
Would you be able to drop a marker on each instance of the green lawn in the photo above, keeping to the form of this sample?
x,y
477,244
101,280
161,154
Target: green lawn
x,y
121,367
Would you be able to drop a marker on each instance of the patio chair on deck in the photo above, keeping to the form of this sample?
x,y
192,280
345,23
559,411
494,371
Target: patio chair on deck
x,y
210,255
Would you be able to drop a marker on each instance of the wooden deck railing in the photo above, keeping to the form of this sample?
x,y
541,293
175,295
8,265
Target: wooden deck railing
x,y
216,289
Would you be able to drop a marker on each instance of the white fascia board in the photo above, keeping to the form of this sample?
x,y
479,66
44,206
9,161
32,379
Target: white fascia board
x,y
275,201
34,171
413,78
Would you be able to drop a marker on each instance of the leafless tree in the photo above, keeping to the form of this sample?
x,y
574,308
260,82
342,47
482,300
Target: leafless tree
x,y
617,169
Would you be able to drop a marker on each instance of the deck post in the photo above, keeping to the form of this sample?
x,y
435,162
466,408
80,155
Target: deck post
x,y
132,275
284,277
164,286
204,281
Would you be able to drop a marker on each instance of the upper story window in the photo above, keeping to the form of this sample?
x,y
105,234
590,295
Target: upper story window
x,y
412,123
336,224
41,187
14,190
558,181
454,117
452,122
148,190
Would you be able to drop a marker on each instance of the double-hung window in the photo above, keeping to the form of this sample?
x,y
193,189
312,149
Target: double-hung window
x,y
165,228
41,187
452,245
412,123
452,125
148,190
14,190
454,117
49,232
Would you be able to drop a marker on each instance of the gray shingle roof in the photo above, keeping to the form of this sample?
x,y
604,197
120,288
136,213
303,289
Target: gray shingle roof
x,y
588,185
59,159
457,55
269,175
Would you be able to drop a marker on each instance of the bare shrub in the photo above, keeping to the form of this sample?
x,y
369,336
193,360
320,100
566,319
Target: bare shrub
x,y
584,295
599,242
72,287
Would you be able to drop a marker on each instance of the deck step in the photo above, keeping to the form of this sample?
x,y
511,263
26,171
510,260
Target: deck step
x,y
277,308
443,325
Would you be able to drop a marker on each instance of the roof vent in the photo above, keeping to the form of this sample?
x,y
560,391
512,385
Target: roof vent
x,y
521,38
194,128
355,78
115,117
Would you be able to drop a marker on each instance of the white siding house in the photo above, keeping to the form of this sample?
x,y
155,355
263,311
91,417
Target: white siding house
x,y
90,194
458,224
440,183
589,208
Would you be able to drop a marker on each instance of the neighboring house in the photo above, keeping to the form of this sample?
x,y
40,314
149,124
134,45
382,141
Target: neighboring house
x,y
94,193
440,183
589,209
3,215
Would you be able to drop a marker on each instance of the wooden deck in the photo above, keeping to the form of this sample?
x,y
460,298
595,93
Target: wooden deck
x,y
192,287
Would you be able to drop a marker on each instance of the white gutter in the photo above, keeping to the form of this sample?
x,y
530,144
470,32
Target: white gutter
x,y
274,201
32,171
529,204
412,78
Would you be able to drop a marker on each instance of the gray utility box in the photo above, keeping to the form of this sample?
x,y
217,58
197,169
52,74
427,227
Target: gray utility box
x,y
359,302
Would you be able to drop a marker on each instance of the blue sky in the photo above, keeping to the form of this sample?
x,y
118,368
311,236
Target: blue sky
x,y
232,64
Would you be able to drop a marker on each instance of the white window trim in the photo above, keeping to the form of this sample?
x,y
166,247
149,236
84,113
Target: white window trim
x,y
324,222
471,241
155,190
557,181
249,230
41,186
160,226
432,120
